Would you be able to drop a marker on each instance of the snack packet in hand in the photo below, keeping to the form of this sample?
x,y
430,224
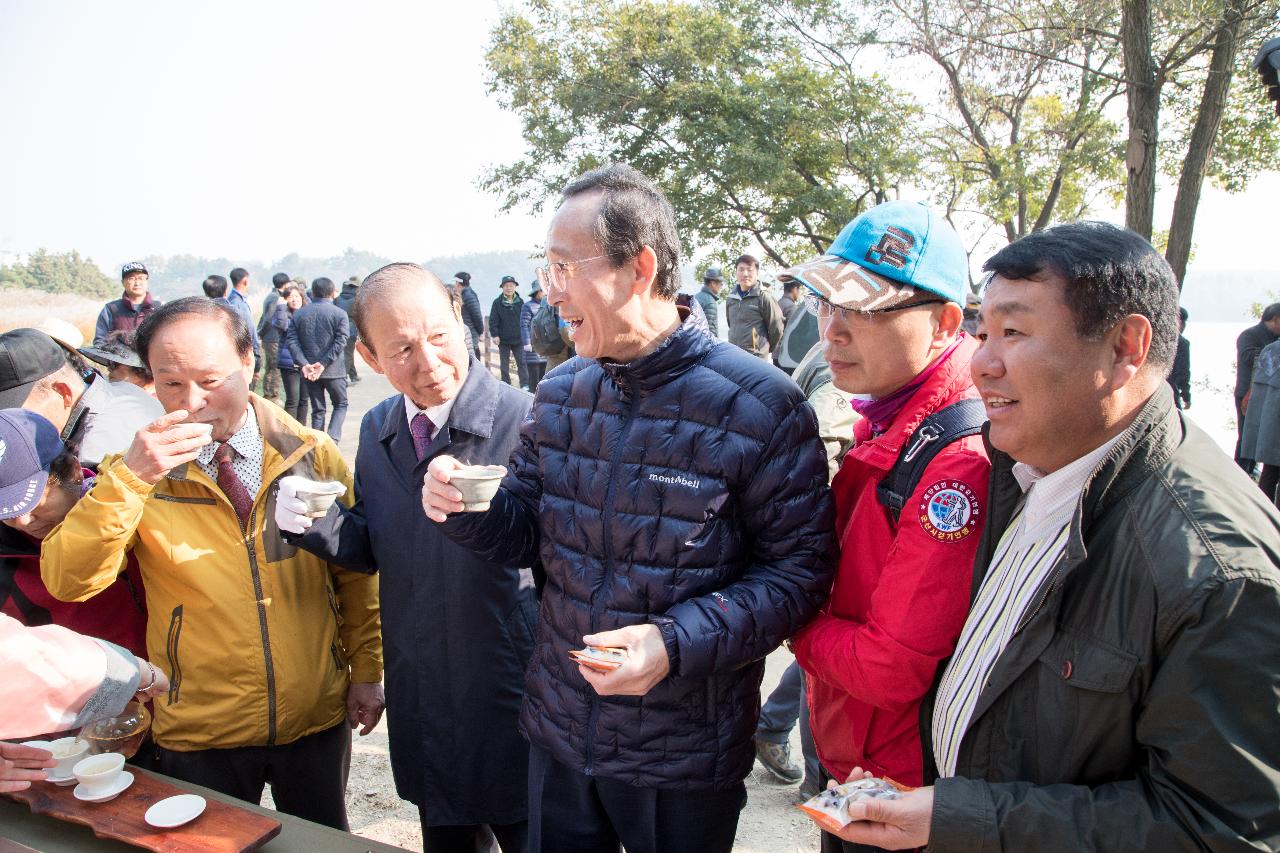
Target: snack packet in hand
x,y
600,658
830,808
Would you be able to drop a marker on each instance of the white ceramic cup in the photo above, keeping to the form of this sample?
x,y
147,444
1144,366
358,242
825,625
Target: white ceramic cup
x,y
99,772
66,751
478,484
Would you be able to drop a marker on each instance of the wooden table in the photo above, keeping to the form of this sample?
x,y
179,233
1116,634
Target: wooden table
x,y
44,833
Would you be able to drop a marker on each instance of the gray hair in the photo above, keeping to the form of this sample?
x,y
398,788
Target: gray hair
x,y
388,279
633,214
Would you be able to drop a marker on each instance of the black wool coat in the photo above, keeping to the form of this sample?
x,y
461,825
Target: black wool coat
x,y
457,631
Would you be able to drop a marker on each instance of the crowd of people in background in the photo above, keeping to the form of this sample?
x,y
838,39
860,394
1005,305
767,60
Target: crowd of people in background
x,y
1016,579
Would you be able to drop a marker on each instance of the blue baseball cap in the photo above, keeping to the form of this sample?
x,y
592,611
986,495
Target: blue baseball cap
x,y
896,254
28,444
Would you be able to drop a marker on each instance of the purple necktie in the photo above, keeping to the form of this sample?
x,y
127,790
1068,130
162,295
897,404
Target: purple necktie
x,y
231,484
421,428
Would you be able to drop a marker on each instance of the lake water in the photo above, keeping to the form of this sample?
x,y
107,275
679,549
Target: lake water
x,y
1213,379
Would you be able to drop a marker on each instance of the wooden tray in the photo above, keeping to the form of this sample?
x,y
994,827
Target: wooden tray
x,y
222,827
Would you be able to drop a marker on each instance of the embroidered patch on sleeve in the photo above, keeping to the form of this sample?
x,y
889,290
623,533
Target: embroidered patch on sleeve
x,y
949,511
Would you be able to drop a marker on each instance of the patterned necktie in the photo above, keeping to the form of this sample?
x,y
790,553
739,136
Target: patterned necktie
x,y
231,484
421,428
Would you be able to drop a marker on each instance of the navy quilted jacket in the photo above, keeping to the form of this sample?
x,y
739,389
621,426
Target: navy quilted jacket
x,y
691,484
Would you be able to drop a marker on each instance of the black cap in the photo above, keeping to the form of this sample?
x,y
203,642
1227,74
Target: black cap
x,y
508,278
131,268
464,277
107,356
26,357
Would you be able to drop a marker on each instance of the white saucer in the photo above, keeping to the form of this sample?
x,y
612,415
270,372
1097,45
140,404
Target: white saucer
x,y
63,781
122,783
175,811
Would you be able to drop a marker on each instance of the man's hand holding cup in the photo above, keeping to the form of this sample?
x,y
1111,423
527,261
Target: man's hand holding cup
x,y
439,499
451,486
164,444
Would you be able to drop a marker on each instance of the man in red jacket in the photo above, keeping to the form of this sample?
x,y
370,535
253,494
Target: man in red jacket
x,y
889,295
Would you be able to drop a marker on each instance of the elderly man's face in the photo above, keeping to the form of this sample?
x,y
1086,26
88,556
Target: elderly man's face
x,y
416,340
508,288
135,285
197,368
1043,385
594,295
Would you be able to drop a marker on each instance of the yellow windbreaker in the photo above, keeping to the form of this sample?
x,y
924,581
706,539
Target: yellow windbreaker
x,y
259,640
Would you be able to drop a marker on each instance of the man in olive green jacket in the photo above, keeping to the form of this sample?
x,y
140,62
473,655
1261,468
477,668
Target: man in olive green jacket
x,y
755,320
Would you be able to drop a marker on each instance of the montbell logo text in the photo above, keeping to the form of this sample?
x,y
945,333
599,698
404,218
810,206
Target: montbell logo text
x,y
674,481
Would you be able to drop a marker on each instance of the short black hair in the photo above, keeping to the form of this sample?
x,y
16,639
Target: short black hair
x,y
121,342
215,287
1110,273
323,288
238,275
1271,312
280,279
633,214
193,306
64,469
747,259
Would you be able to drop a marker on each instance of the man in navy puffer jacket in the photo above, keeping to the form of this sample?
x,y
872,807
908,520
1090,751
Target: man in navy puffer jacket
x,y
674,489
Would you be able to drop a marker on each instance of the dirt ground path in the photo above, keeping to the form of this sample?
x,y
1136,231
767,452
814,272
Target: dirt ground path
x,y
770,823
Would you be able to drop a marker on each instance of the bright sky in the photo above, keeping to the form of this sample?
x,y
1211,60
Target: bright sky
x,y
250,130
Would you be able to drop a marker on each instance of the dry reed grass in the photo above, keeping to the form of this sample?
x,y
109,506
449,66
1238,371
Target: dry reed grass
x,y
23,308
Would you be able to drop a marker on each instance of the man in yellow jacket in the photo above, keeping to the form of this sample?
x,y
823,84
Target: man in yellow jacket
x,y
271,653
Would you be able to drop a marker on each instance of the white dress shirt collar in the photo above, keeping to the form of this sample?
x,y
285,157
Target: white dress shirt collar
x,y
1053,496
437,414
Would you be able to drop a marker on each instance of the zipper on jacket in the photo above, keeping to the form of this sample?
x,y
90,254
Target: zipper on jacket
x,y
597,600
262,625
1049,586
171,652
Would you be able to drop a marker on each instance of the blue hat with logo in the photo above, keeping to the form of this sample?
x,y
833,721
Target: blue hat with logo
x,y
28,444
896,254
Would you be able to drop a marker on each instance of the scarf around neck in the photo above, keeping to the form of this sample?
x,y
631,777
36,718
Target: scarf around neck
x,y
882,411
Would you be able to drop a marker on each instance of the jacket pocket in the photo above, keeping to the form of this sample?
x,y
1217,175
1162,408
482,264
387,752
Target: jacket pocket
x,y
1086,686
179,499
333,604
171,652
1088,664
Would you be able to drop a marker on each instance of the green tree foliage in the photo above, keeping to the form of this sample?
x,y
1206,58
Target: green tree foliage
x,y
1020,132
760,119
59,273
744,131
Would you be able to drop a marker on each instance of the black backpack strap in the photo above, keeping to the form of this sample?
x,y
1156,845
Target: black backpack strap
x,y
960,419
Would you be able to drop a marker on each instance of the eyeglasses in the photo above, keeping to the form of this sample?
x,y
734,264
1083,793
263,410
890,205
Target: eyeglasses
x,y
824,308
557,273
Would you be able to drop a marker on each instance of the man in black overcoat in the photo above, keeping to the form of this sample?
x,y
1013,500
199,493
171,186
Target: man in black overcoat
x,y
457,632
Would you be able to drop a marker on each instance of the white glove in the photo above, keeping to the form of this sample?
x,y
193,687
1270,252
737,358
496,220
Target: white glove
x,y
291,509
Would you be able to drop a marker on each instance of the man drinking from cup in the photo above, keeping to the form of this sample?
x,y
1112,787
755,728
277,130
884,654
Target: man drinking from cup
x,y
271,653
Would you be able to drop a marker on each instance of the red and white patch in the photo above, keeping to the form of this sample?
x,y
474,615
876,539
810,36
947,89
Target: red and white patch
x,y
949,511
